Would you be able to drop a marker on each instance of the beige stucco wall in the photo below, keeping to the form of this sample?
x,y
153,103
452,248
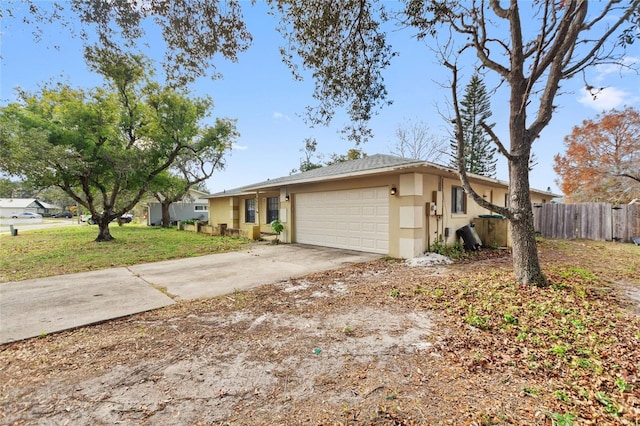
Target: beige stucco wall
x,y
411,229
429,196
419,212
454,221
231,210
537,198
223,210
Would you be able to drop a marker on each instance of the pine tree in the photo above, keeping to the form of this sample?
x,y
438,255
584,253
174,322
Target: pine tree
x,y
479,154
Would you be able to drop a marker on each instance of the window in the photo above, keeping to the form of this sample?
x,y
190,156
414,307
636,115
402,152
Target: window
x,y
458,198
201,208
273,204
250,210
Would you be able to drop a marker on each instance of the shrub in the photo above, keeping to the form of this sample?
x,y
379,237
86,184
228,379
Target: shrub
x,y
455,251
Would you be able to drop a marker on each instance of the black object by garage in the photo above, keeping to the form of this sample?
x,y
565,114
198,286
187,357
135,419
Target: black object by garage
x,y
469,238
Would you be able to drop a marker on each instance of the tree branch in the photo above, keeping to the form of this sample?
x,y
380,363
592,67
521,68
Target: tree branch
x,y
460,152
627,175
496,140
591,56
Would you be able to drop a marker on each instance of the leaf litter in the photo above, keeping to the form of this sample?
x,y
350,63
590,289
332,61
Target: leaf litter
x,y
379,343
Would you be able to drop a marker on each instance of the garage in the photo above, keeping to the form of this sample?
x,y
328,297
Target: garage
x,y
354,219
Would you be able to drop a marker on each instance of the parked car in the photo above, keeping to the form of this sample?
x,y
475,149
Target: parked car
x,y
66,215
27,215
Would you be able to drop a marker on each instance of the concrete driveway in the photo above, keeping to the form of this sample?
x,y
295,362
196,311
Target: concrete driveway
x,y
41,306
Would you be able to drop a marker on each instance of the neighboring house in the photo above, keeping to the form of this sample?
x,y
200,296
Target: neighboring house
x,y
48,209
193,206
14,206
380,203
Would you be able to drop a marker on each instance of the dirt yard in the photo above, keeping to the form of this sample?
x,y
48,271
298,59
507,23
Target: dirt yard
x,y
381,343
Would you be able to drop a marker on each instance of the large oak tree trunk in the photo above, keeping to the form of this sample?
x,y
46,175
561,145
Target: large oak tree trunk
x,y
166,217
103,231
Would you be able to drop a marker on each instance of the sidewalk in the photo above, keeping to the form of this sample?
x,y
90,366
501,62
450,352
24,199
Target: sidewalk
x,y
35,307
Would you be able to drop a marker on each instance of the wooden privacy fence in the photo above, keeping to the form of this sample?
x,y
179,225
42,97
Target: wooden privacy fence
x,y
589,221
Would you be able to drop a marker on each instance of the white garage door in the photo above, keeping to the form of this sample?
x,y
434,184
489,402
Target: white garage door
x,y
355,219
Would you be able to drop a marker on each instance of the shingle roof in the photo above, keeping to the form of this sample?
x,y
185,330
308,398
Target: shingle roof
x,y
367,165
48,205
18,203
370,163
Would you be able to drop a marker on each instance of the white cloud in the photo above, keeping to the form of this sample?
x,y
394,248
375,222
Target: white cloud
x,y
279,115
607,98
237,147
607,70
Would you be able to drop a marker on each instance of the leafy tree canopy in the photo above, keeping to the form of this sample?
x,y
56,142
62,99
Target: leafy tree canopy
x,y
104,147
602,159
352,154
16,189
309,152
194,166
195,32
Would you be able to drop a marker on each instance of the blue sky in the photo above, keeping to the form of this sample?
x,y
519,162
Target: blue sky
x,y
261,94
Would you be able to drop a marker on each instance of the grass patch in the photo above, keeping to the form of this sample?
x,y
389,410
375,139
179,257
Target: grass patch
x,y
70,249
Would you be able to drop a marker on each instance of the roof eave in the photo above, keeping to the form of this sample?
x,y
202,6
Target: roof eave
x,y
252,189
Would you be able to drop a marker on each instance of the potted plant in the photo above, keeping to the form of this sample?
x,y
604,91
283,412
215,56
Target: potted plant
x,y
277,227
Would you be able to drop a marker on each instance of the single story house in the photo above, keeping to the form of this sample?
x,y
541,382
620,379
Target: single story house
x,y
14,206
49,209
381,204
194,205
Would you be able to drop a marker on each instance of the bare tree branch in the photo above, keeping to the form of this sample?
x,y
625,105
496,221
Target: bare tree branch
x,y
460,152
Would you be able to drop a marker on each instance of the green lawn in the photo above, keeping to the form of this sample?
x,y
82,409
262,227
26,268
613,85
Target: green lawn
x,y
64,250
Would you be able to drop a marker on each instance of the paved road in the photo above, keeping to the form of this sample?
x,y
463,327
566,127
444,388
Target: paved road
x,y
26,225
41,306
